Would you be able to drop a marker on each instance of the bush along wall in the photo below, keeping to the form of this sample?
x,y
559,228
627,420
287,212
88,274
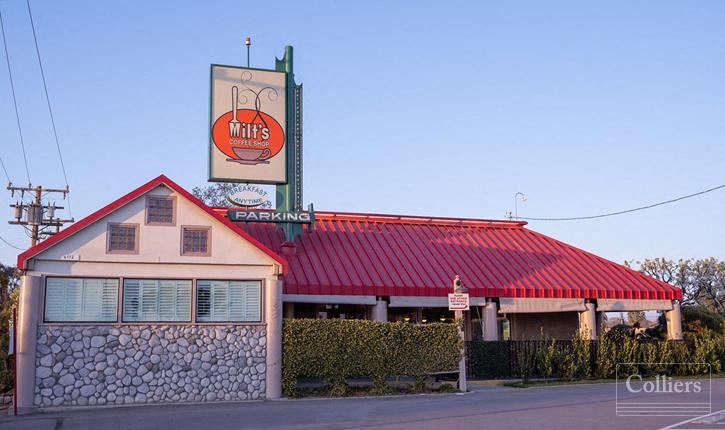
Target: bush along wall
x,y
335,350
603,358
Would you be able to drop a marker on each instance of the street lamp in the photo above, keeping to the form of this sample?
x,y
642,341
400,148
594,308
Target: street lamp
x,y
516,203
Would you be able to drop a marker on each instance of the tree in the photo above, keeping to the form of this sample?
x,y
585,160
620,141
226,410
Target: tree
x,y
635,317
215,194
9,281
702,281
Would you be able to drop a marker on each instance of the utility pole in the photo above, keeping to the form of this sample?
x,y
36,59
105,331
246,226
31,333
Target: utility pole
x,y
37,217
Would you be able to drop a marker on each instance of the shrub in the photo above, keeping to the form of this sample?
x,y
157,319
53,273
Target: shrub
x,y
627,356
705,349
581,352
334,350
546,357
526,359
606,356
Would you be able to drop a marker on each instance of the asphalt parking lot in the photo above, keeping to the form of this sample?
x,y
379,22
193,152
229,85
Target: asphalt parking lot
x,y
553,407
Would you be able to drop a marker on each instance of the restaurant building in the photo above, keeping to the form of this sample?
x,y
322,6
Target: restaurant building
x,y
157,297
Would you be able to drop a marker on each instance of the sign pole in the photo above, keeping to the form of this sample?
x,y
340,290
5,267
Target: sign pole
x,y
289,198
15,361
458,301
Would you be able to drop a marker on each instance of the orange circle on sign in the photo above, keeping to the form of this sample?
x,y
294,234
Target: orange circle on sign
x,y
246,138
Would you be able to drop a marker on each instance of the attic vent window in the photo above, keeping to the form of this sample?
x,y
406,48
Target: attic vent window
x,y
160,210
123,238
195,241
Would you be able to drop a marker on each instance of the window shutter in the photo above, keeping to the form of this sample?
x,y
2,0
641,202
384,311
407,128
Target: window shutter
x,y
174,300
244,301
81,299
100,298
131,299
219,301
203,301
228,301
157,300
183,301
149,300
109,300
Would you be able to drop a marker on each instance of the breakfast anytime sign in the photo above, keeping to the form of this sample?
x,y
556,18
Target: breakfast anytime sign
x,y
247,125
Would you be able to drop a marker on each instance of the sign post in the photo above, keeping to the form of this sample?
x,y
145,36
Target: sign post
x,y
459,302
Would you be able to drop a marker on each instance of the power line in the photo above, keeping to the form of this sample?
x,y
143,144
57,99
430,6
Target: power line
x,y
15,102
5,170
47,99
10,244
699,193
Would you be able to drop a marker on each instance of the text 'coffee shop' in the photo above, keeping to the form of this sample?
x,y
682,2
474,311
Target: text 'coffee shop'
x,y
159,297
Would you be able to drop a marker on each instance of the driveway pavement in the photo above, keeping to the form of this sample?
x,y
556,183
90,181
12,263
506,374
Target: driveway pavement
x,y
556,407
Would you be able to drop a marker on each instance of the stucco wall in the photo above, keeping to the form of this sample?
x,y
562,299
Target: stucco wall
x,y
157,243
558,325
122,364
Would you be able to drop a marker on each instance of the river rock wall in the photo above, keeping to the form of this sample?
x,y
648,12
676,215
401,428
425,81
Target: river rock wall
x,y
100,365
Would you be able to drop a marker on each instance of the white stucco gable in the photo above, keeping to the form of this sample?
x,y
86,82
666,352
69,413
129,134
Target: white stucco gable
x,y
157,244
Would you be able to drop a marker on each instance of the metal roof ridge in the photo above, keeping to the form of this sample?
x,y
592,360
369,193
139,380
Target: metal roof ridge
x,y
401,219
416,219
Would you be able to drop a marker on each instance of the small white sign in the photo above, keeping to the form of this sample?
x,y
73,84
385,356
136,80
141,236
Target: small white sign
x,y
71,257
249,195
458,302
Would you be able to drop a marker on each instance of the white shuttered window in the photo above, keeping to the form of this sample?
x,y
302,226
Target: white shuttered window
x,y
229,301
80,299
156,300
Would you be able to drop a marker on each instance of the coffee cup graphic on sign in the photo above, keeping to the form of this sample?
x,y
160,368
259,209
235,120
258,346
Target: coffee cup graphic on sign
x,y
244,135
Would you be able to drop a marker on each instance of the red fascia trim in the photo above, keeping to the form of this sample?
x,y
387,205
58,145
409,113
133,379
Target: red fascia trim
x,y
133,195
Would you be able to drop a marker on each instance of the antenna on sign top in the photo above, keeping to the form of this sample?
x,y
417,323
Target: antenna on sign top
x,y
248,42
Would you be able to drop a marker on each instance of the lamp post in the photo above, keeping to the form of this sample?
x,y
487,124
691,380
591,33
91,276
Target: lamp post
x,y
516,203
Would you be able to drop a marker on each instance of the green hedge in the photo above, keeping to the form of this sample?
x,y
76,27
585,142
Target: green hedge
x,y
334,350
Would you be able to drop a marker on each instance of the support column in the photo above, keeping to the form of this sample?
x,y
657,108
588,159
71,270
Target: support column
x,y
273,317
28,317
380,310
289,310
588,322
674,321
490,321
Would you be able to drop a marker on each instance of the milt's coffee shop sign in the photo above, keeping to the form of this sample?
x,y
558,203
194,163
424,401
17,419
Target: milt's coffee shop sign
x,y
247,125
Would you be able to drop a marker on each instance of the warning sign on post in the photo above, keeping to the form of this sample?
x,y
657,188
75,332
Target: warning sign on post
x,y
458,302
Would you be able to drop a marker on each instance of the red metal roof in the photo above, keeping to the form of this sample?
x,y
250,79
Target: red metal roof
x,y
396,255
386,255
138,192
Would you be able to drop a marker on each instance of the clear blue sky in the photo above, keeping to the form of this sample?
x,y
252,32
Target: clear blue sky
x,y
438,108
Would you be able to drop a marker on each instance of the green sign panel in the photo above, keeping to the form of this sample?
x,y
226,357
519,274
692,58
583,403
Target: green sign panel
x,y
268,216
